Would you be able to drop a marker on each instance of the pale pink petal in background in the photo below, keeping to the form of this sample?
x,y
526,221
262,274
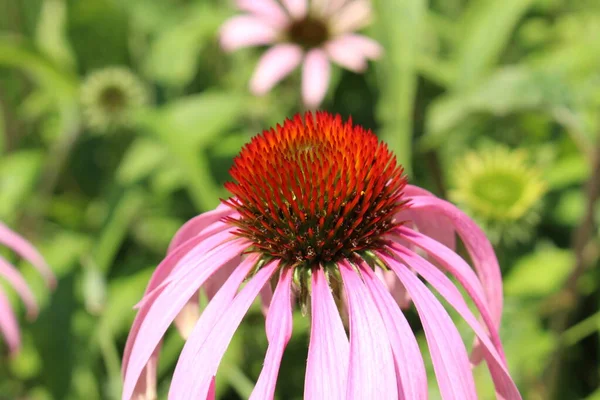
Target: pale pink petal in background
x,y
354,15
245,31
315,77
269,11
352,51
274,65
296,8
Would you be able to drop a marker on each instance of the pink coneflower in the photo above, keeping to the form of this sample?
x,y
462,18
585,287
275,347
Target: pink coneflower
x,y
320,209
8,321
308,31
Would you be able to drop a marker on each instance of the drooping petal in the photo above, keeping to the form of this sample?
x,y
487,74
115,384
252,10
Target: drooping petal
x,y
412,377
455,265
315,77
328,349
274,65
202,243
24,249
279,331
394,287
184,258
352,16
198,224
478,246
245,31
14,277
220,302
145,388
505,387
8,324
201,355
448,352
268,10
352,51
296,8
371,373
266,296
160,310
187,317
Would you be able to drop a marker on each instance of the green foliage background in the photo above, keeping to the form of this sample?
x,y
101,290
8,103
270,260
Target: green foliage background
x,y
456,75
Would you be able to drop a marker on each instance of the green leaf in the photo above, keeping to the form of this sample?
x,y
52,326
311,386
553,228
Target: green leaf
x,y
51,35
567,171
540,273
508,90
19,173
141,159
173,56
121,215
18,53
487,27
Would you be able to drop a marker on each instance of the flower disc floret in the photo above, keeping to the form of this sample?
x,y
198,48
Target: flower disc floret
x,y
316,190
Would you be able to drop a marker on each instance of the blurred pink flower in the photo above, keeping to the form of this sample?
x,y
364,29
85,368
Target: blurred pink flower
x,y
8,321
308,223
311,32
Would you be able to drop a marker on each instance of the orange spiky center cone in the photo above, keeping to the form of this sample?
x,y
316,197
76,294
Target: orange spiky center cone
x,y
315,190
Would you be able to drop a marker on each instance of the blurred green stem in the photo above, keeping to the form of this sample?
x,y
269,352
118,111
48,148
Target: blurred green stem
x,y
399,28
112,360
583,236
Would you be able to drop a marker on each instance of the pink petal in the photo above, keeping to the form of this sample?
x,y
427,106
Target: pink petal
x,y
480,251
279,331
189,314
412,377
479,247
201,355
198,224
23,248
221,301
371,372
186,257
328,350
394,287
352,16
269,11
145,389
315,77
274,65
161,273
8,325
296,8
454,264
505,387
14,277
448,353
245,31
158,312
266,296
352,51
412,190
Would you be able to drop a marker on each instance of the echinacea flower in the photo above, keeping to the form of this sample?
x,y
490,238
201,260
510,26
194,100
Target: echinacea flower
x,y
310,32
109,96
8,321
319,209
500,190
